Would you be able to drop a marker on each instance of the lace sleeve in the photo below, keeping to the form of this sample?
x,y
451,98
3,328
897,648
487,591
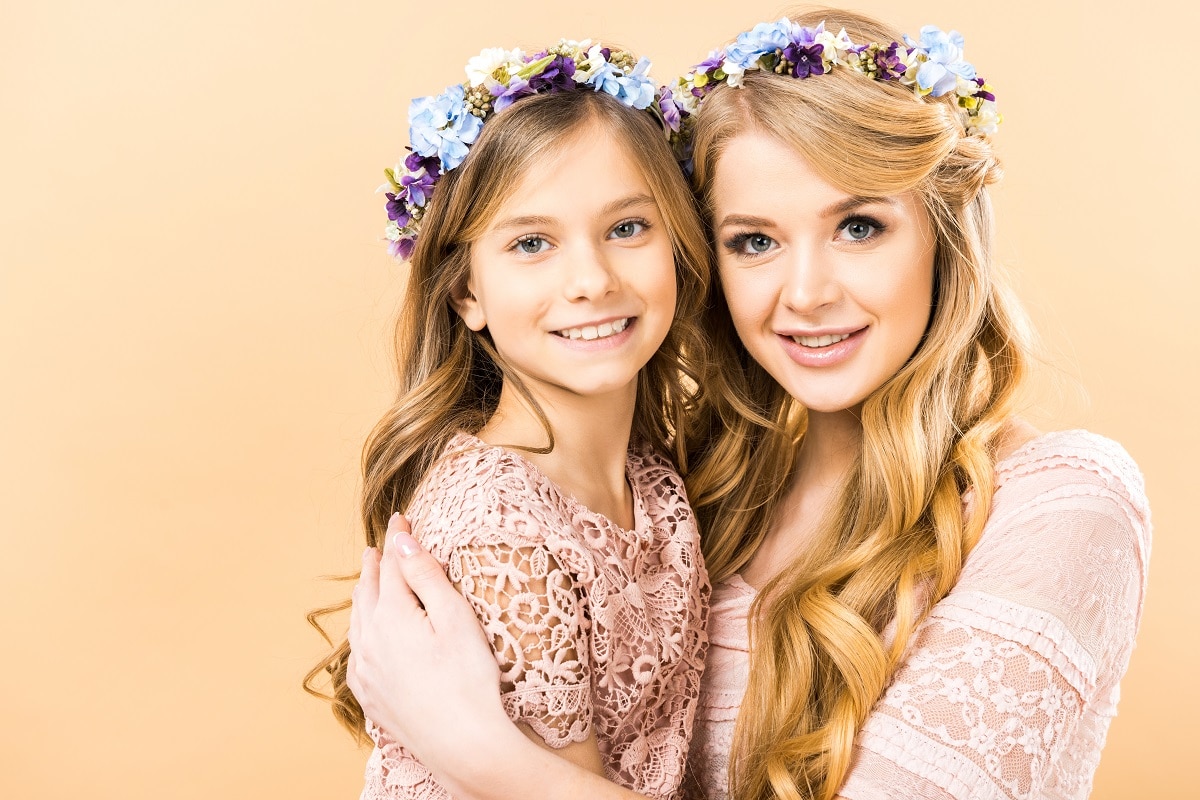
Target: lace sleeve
x,y
1009,685
533,610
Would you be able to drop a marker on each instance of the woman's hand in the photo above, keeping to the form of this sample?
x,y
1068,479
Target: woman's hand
x,y
424,673
419,663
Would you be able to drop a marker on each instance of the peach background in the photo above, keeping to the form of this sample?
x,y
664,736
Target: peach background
x,y
194,302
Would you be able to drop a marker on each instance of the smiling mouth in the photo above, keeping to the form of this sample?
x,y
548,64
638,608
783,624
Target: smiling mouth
x,y
590,332
820,341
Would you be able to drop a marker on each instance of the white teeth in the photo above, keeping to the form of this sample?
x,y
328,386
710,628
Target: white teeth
x,y
819,341
590,332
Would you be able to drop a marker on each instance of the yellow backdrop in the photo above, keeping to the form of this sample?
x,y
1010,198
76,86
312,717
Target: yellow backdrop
x,y
194,302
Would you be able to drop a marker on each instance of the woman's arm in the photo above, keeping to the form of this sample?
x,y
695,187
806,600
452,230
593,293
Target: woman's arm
x,y
423,671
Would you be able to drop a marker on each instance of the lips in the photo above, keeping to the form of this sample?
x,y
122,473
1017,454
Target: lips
x,y
823,349
590,332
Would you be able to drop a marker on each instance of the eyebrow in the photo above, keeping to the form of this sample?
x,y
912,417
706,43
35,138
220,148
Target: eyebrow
x,y
536,220
837,209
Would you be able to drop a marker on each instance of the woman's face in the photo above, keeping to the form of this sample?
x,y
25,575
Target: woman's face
x,y
575,277
830,293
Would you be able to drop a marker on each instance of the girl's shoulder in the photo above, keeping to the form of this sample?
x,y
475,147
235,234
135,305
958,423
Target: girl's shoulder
x,y
476,489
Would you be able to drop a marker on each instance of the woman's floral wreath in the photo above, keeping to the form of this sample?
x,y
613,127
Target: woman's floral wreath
x,y
443,128
932,66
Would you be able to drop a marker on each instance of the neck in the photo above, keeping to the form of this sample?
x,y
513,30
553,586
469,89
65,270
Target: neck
x,y
822,463
830,444
591,443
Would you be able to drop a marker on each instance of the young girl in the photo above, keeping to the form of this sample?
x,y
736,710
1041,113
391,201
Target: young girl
x,y
915,594
557,273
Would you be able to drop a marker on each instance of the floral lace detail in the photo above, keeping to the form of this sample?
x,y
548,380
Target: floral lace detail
x,y
1009,685
597,629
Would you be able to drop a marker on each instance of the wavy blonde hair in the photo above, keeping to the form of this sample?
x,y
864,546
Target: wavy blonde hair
x,y
895,541
451,376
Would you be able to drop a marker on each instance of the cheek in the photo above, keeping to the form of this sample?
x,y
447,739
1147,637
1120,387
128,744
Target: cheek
x,y
662,284
748,301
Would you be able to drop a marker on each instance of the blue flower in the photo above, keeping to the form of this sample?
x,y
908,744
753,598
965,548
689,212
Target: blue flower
x,y
442,126
634,90
942,63
637,90
763,38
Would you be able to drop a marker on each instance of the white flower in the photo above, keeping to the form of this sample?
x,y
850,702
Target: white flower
x,y
684,97
833,48
484,66
985,120
393,232
733,73
585,67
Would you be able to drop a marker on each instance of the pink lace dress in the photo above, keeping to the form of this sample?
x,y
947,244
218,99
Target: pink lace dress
x,y
1009,686
597,629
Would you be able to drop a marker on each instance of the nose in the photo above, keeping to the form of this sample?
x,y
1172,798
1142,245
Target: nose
x,y
810,280
589,275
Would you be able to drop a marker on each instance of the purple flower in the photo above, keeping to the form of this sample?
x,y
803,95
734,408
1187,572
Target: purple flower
x,y
982,94
670,111
558,76
711,63
806,60
891,66
397,210
402,248
416,185
505,95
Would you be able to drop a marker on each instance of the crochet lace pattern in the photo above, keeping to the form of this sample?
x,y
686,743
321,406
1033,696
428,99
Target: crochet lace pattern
x,y
1009,686
597,629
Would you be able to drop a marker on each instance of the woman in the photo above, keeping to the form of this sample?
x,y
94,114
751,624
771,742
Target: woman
x,y
915,594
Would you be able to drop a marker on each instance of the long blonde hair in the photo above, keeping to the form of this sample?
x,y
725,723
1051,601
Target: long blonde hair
x,y
451,376
895,541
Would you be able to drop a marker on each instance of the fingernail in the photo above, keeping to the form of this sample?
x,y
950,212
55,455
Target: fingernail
x,y
405,544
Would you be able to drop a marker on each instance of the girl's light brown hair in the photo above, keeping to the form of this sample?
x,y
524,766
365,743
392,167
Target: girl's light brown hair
x,y
451,376
896,537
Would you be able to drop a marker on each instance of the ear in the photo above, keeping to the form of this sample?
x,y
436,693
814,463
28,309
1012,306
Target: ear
x,y
463,301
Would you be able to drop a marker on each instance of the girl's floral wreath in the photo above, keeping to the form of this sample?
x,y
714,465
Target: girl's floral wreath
x,y
932,66
443,128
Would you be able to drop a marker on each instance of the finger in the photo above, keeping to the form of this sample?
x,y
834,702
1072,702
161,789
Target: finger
x,y
443,604
394,592
366,595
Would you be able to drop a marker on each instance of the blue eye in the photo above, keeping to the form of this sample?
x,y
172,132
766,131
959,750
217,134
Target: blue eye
x,y
749,244
628,229
860,229
758,243
532,245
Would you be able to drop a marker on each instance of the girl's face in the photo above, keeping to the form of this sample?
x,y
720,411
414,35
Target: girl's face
x,y
575,277
830,293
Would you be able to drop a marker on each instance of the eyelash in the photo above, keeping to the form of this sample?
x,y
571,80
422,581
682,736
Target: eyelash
x,y
736,244
871,222
533,237
645,223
